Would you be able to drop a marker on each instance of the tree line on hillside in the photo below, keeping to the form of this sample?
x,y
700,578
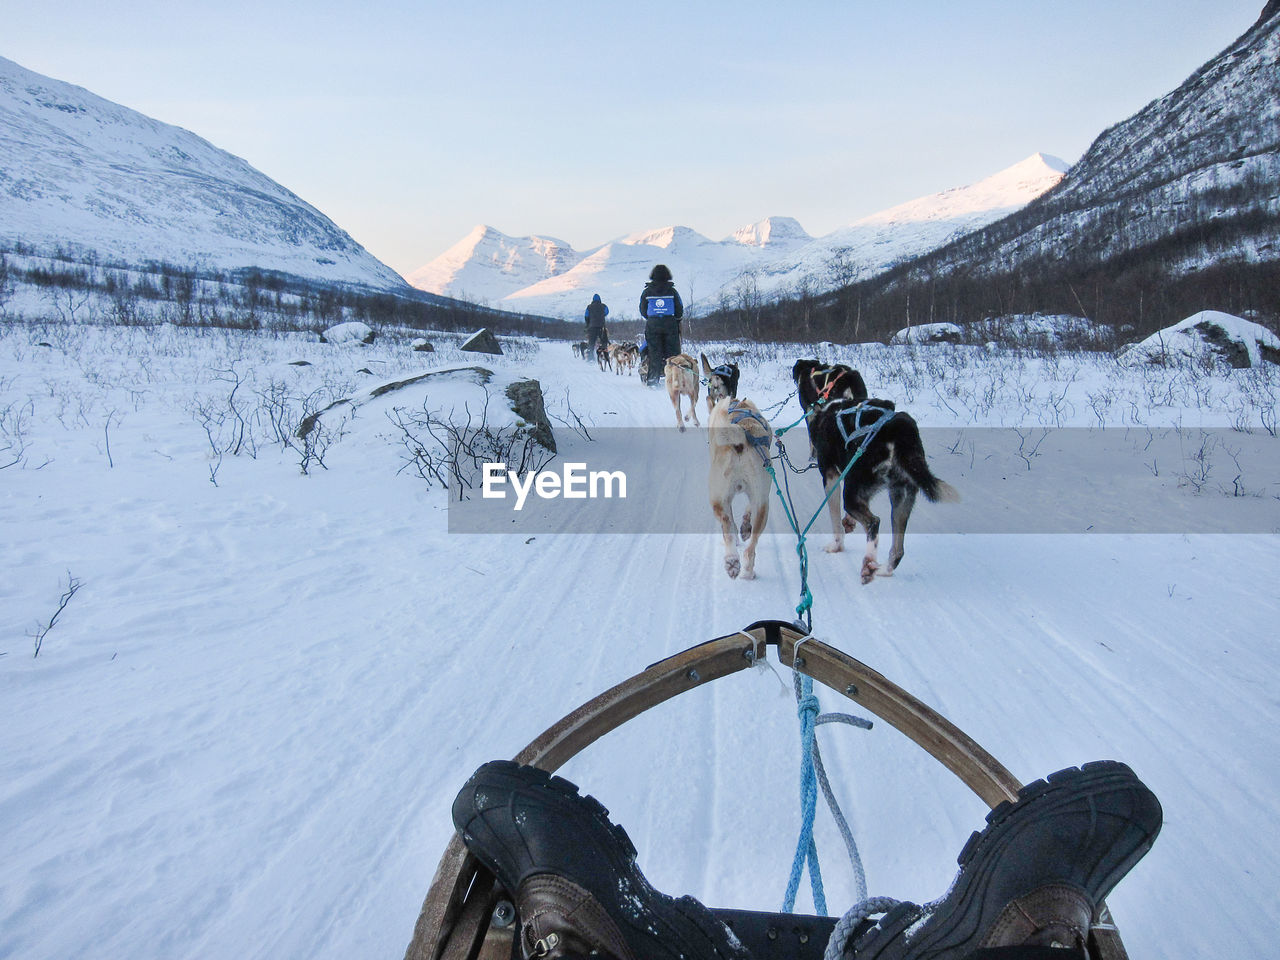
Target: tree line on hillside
x,y
1162,273
77,288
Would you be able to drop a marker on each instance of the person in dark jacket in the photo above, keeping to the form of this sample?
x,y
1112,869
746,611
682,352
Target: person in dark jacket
x,y
662,309
594,316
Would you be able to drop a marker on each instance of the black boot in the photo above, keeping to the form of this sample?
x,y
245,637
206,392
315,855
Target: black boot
x,y
573,873
1033,878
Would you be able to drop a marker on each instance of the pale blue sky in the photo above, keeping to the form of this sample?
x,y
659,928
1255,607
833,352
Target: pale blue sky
x,y
409,123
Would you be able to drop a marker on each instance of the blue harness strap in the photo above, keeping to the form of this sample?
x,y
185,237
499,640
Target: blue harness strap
x,y
863,428
739,411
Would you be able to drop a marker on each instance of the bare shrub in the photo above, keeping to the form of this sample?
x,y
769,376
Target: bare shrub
x,y
42,630
451,450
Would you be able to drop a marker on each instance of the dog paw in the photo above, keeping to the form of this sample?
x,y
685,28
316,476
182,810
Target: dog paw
x,y
732,566
745,530
681,427
848,523
748,575
869,568
835,546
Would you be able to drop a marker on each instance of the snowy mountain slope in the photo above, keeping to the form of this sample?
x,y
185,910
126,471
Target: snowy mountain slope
x,y
99,181
763,258
243,735
487,265
617,272
877,242
771,230
1199,165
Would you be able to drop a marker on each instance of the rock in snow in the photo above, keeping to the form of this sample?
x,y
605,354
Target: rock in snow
x,y
351,332
1208,334
483,341
929,333
527,402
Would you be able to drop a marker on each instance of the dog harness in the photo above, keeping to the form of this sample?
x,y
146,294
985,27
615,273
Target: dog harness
x,y
830,376
863,427
738,412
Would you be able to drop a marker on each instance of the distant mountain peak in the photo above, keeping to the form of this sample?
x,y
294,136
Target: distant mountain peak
x,y
770,230
489,264
1056,164
664,237
1007,190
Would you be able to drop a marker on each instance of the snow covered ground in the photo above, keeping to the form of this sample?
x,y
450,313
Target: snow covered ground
x,y
242,734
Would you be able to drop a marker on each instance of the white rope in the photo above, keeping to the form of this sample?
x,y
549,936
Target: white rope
x,y
848,923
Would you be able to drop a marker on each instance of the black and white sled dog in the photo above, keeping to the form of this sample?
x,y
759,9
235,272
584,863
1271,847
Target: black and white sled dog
x,y
580,349
818,383
722,382
891,456
826,381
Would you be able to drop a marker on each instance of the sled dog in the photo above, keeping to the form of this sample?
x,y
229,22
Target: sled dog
x,y
722,381
624,356
681,372
891,455
580,349
818,381
739,438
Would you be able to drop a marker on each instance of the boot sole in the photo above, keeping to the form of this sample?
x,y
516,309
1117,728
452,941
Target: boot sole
x,y
953,926
653,924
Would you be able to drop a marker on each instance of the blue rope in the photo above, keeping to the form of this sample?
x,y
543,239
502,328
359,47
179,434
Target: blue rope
x,y
806,848
808,706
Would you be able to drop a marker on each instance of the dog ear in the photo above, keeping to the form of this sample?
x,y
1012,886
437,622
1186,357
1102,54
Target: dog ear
x,y
706,367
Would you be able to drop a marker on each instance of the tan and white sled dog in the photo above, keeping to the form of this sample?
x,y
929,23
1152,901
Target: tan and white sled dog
x,y
624,356
740,439
681,372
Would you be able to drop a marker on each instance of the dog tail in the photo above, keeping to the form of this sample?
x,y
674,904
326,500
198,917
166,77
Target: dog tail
x,y
911,456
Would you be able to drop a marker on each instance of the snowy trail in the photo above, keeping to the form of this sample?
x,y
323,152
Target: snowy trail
x,y
244,737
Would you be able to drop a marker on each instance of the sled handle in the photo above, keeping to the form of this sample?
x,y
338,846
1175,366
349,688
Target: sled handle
x,y
454,923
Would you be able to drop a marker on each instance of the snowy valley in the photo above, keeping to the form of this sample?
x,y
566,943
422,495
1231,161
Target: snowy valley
x,y
242,734
251,643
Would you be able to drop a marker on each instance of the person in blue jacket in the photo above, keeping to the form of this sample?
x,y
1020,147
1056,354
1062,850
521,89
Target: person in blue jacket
x,y
594,316
662,309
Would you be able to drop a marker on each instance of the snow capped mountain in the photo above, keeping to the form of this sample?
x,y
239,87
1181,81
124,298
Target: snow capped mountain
x,y
617,272
489,265
876,242
771,257
97,180
668,238
1187,181
771,230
